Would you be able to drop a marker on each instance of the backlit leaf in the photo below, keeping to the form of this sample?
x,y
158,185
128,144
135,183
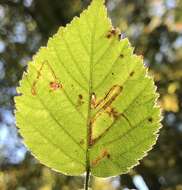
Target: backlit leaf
x,y
86,100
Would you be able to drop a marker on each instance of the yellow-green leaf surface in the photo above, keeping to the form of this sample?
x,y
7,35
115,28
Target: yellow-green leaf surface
x,y
86,100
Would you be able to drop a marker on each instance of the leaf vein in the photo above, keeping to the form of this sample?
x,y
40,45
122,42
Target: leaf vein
x,y
53,144
68,72
74,60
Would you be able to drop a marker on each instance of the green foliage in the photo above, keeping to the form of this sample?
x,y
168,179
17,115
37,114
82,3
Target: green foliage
x,y
86,100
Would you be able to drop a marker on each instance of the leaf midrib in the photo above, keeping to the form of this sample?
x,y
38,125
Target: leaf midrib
x,y
90,93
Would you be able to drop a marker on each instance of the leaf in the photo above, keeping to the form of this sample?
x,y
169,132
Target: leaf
x,y
87,101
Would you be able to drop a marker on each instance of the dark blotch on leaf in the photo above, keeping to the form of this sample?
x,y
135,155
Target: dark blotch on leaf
x,y
80,96
121,55
150,119
80,100
108,156
132,73
112,32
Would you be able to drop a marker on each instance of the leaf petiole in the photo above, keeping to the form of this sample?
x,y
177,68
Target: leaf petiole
x,y
87,179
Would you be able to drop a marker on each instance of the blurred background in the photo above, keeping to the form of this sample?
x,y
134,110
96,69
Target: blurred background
x,y
154,27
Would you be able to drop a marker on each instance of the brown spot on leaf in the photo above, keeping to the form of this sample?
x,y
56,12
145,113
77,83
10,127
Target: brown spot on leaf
x,y
103,154
80,100
54,85
112,32
80,96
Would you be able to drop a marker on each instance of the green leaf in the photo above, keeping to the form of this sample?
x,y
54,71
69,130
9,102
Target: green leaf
x,y
87,101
